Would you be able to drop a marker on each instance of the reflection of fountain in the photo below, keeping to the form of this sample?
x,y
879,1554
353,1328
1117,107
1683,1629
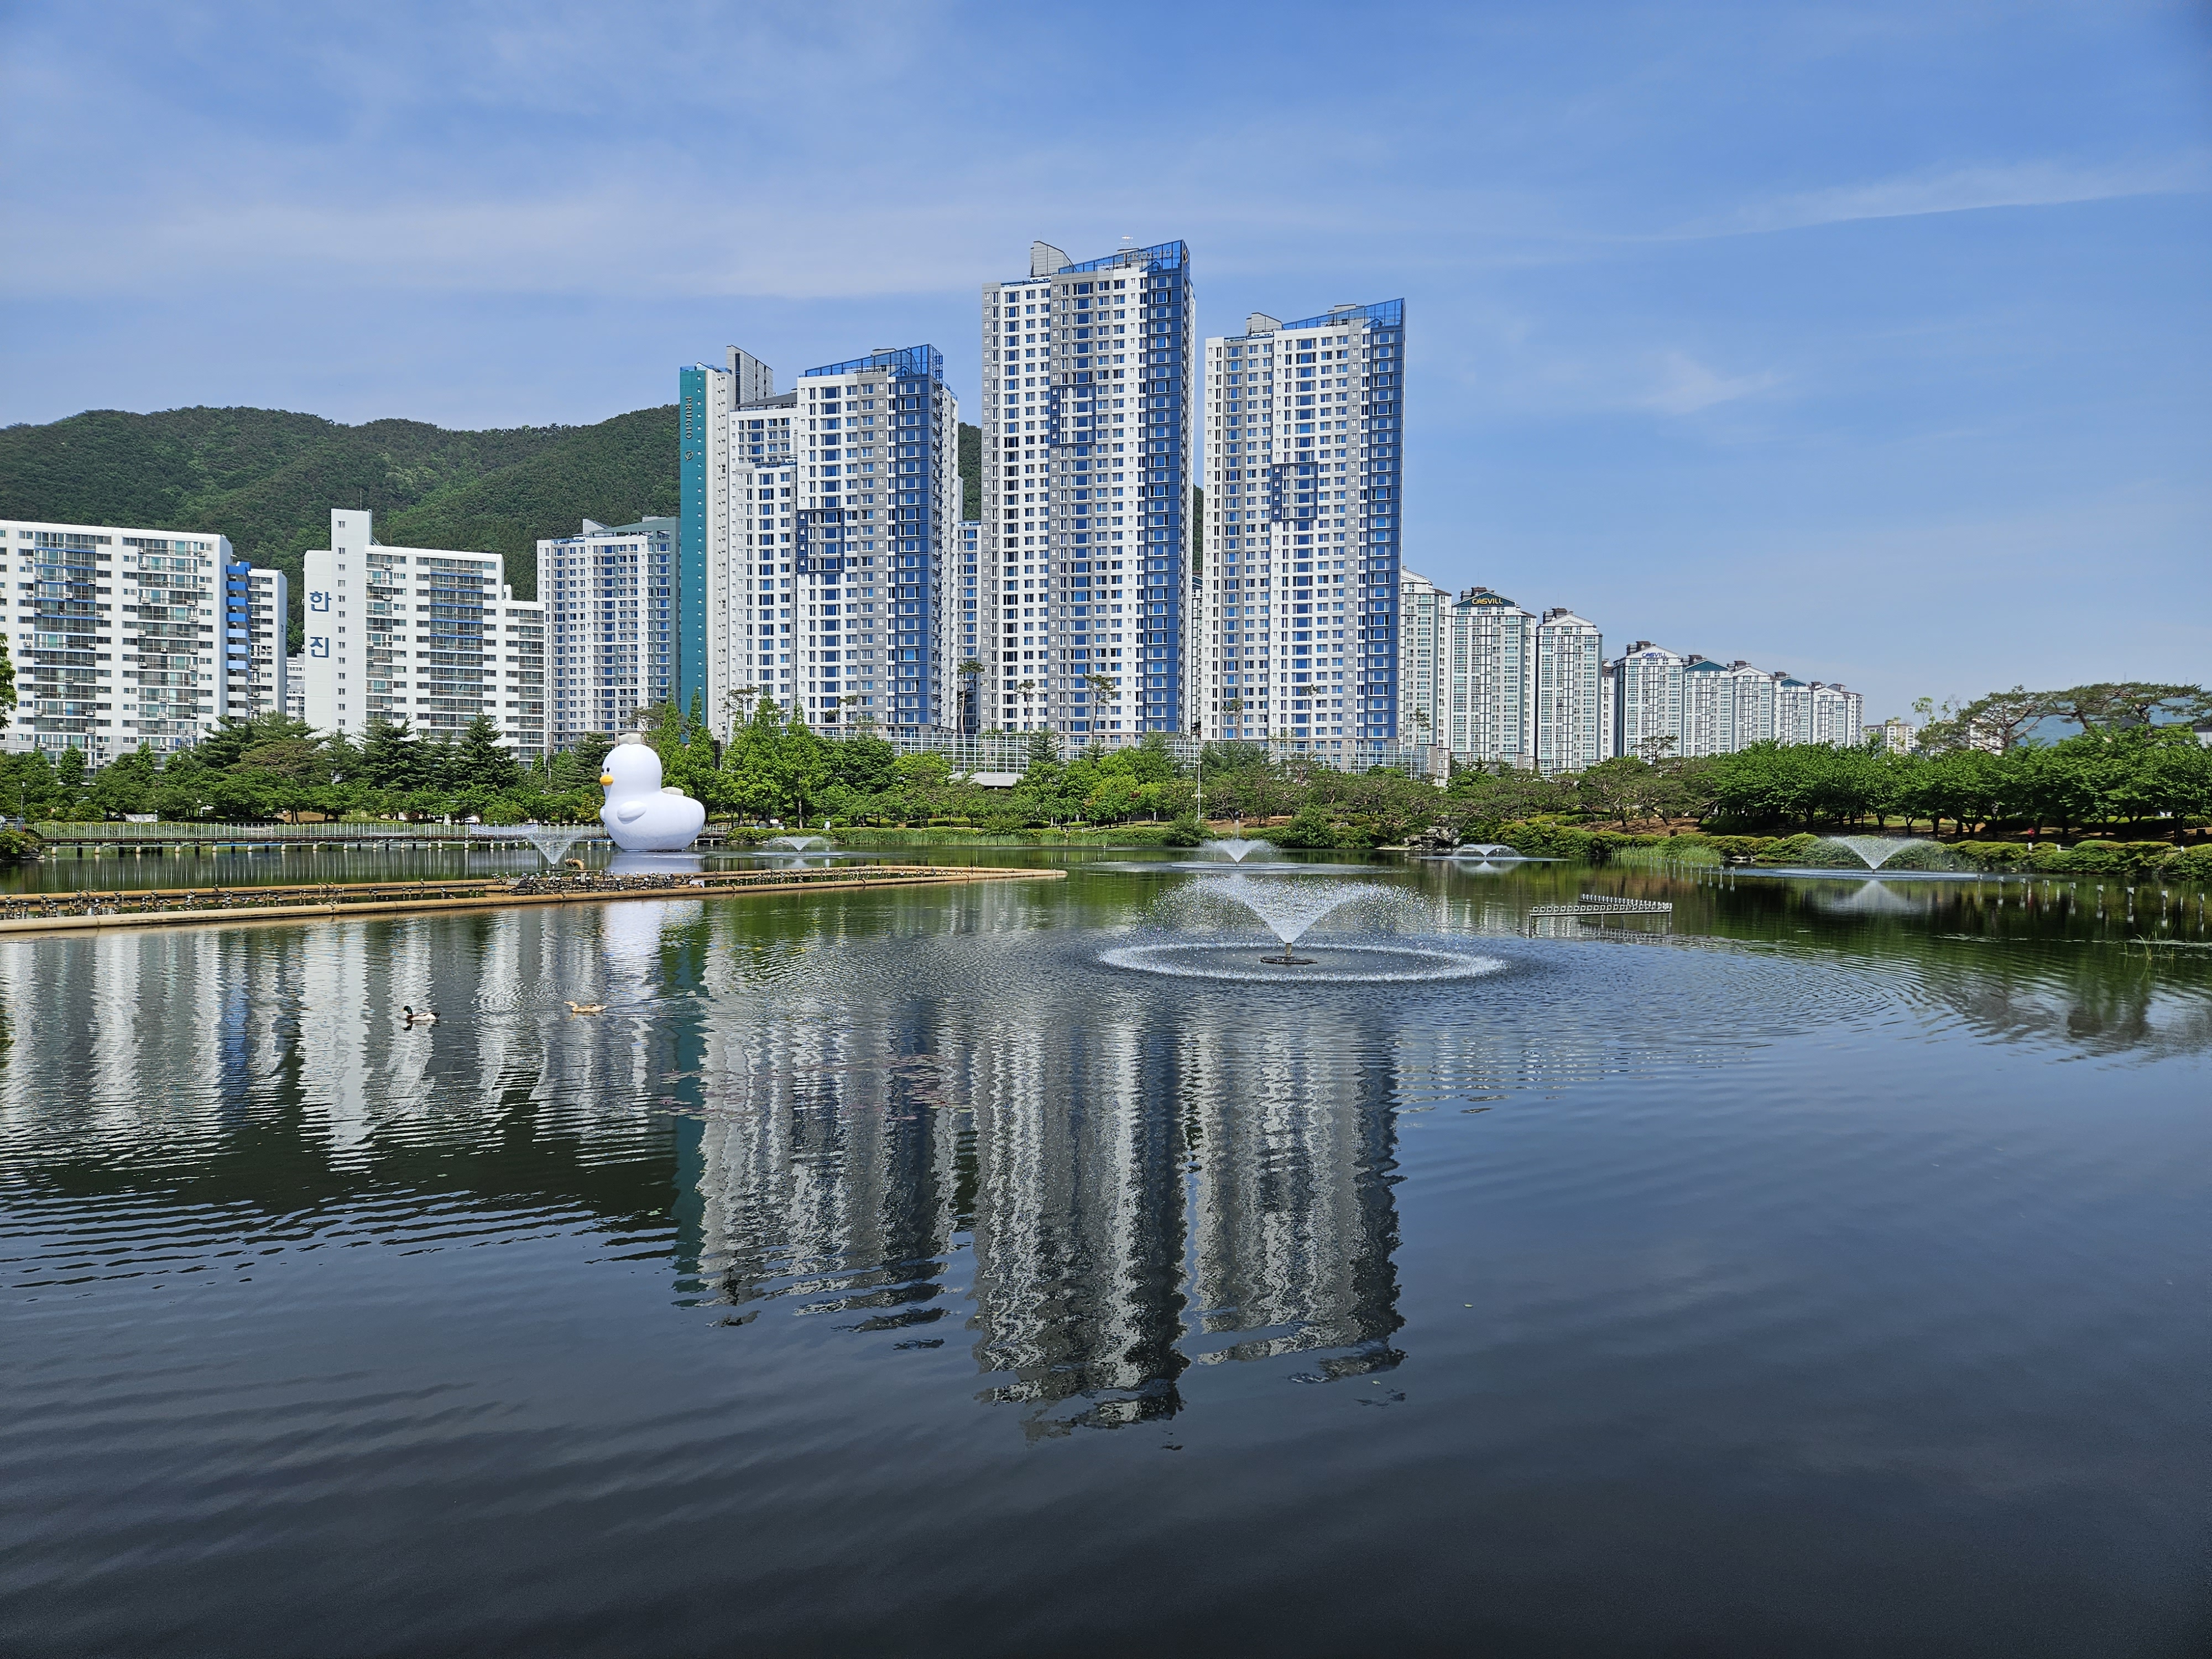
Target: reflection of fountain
x,y
1874,851
1237,847
1490,852
1870,898
1345,964
552,841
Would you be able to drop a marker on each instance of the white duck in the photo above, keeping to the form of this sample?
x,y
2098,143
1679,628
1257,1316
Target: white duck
x,y
642,815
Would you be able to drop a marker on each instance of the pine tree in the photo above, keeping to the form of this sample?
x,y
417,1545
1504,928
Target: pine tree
x,y
391,758
478,761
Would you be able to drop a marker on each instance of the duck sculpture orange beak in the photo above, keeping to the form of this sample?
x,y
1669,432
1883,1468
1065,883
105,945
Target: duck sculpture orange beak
x,y
607,780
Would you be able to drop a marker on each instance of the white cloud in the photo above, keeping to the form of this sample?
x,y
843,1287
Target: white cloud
x,y
1966,190
1686,385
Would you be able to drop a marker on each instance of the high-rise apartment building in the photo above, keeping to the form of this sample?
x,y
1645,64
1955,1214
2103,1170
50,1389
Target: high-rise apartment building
x,y
1496,685
826,524
1709,708
422,635
1298,615
610,622
1666,706
1424,652
1647,688
1088,386
1570,717
969,643
256,611
1490,681
1816,712
1836,716
295,686
121,636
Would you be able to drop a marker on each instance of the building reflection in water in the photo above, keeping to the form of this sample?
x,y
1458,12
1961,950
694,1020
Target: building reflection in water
x,y
1131,1192
927,1117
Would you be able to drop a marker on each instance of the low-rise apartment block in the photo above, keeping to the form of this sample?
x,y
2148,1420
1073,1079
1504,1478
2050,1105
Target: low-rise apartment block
x,y
428,635
120,635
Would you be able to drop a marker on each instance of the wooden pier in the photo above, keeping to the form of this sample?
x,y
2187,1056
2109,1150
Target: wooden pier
x,y
172,906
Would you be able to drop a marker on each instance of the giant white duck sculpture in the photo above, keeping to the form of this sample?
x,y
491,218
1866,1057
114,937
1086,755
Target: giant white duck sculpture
x,y
642,815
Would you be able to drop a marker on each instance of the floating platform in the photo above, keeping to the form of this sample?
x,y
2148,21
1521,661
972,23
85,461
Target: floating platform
x,y
177,906
1547,919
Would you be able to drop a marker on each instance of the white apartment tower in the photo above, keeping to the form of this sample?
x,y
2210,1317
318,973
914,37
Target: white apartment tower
x,y
1085,536
1490,675
969,622
610,599
1298,623
1708,709
257,611
1647,688
422,635
827,523
1570,717
1666,706
122,636
1424,647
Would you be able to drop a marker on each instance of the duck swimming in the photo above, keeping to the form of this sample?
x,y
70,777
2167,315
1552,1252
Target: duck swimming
x,y
417,1016
587,1007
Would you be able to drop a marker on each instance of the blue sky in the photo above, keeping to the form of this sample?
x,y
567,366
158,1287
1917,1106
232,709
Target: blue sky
x,y
1872,342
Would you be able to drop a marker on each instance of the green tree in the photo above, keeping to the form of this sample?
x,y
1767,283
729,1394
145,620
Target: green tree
x,y
2115,705
480,761
186,786
126,784
1999,721
391,760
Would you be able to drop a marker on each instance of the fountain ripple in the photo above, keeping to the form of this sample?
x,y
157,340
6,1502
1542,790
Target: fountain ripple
x,y
1333,963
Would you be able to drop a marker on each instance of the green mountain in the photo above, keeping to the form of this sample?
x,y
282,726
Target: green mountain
x,y
268,478
971,470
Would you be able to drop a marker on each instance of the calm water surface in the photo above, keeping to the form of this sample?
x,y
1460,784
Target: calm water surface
x,y
895,1272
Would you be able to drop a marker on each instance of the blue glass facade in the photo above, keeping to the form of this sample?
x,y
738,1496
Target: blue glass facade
x,y
695,412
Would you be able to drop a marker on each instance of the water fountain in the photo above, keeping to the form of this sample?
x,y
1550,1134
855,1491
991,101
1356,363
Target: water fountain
x,y
1236,848
1289,909
1874,851
799,843
1490,852
552,841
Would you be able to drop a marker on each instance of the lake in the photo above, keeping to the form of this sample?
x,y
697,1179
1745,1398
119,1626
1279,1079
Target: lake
x,y
1816,1269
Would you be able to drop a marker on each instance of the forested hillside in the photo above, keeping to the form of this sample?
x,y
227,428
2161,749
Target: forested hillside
x,y
267,479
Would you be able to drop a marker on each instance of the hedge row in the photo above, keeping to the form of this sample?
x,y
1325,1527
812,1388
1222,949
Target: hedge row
x,y
2135,860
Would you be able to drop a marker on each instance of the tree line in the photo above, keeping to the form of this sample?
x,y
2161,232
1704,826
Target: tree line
x,y
2119,771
